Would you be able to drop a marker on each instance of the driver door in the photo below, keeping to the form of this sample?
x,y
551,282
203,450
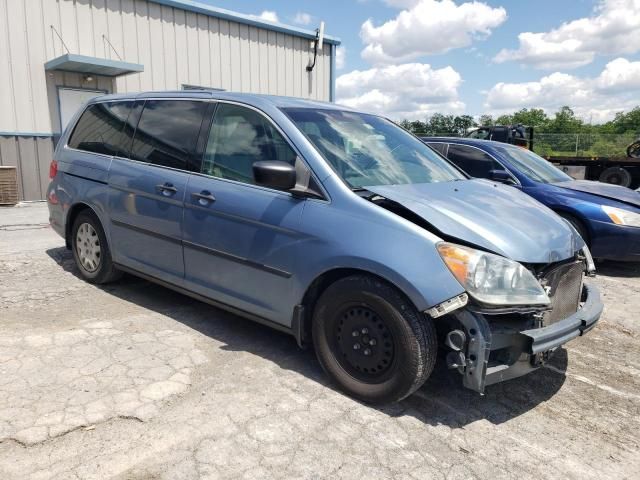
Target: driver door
x,y
241,240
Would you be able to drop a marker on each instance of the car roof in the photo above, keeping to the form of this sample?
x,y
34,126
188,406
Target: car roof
x,y
253,99
474,142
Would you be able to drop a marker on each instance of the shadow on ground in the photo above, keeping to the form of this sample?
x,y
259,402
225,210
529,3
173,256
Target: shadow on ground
x,y
441,401
618,269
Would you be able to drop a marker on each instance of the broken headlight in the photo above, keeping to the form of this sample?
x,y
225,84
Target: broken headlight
x,y
492,279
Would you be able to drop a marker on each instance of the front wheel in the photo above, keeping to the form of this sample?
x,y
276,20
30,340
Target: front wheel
x,y
371,340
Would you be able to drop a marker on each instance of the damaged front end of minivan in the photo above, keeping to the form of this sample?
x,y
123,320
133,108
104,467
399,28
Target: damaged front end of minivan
x,y
521,301
490,340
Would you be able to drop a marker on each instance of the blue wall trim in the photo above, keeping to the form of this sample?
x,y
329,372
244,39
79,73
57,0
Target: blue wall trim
x,y
28,134
241,18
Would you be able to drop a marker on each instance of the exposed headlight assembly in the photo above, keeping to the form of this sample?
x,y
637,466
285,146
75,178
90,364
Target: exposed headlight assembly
x,y
492,279
622,217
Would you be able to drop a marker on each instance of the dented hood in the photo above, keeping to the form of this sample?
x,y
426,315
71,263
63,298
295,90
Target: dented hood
x,y
496,217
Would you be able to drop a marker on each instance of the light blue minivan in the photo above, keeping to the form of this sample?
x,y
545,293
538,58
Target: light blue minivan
x,y
335,226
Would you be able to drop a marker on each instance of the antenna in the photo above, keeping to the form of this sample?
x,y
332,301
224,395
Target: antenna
x,y
320,35
317,44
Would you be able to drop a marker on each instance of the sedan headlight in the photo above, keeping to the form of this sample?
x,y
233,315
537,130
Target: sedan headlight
x,y
622,217
492,279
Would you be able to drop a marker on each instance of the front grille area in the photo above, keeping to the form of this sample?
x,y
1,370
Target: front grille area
x,y
564,285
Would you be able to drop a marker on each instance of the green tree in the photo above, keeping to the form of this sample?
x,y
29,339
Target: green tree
x,y
504,120
486,120
534,117
440,124
462,123
565,121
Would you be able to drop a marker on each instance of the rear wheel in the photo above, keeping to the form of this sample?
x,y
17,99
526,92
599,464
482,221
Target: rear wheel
x,y
372,341
90,249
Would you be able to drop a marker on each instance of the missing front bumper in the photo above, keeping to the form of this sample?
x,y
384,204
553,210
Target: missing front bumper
x,y
524,350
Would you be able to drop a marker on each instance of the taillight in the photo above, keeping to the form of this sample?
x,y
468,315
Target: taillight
x,y
53,169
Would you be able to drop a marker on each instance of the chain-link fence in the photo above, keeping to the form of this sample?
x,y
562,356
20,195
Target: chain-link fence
x,y
581,144
570,144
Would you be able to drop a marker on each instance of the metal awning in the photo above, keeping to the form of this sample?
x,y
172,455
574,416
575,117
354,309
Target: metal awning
x,y
71,62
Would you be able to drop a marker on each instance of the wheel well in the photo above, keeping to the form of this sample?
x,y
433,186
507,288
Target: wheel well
x,y
74,211
585,226
319,285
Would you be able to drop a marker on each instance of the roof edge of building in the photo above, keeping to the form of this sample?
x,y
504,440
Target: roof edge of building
x,y
212,11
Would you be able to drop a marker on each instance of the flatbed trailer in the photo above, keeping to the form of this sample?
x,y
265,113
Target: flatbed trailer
x,y
617,170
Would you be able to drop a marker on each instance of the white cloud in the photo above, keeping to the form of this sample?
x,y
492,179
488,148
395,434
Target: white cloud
x,y
613,29
302,18
268,15
428,27
341,57
620,75
411,91
615,89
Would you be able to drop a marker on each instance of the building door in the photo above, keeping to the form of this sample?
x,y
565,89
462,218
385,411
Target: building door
x,y
71,100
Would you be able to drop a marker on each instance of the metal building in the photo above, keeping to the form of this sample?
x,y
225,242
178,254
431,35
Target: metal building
x,y
56,54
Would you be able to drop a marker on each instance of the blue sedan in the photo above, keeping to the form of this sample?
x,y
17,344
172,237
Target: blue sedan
x,y
607,216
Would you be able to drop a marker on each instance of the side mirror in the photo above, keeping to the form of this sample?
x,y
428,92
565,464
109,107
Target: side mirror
x,y
501,176
275,174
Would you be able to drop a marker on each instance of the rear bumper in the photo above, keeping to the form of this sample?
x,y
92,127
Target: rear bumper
x,y
495,353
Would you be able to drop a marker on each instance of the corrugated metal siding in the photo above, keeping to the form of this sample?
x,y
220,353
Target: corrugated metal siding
x,y
32,156
175,46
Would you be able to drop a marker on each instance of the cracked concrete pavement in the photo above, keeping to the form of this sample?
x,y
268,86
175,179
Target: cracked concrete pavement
x,y
133,381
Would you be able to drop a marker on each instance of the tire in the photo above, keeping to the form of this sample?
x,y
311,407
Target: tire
x,y
365,311
616,176
578,225
91,251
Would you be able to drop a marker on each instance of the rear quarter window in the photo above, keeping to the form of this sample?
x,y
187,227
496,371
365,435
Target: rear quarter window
x,y
168,131
101,129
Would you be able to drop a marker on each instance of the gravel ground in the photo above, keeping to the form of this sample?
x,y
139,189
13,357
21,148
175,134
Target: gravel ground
x,y
133,381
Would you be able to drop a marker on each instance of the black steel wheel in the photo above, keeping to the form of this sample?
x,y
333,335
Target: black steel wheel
x,y
362,342
371,340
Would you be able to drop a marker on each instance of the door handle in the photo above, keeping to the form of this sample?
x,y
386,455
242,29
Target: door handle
x,y
167,189
205,197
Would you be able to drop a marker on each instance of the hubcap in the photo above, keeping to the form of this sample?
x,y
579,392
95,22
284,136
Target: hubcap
x,y
364,343
88,247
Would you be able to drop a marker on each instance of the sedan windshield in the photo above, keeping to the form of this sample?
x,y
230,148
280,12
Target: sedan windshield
x,y
533,166
366,150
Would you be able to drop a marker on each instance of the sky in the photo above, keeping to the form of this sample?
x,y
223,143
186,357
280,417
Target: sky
x,y
408,59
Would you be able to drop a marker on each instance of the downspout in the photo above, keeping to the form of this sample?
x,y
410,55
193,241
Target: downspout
x,y
332,75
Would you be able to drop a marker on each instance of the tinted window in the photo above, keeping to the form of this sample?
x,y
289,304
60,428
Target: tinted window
x,y
168,131
238,138
101,129
439,147
473,161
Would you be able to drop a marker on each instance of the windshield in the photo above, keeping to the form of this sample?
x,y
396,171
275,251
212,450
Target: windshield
x,y
534,166
366,150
